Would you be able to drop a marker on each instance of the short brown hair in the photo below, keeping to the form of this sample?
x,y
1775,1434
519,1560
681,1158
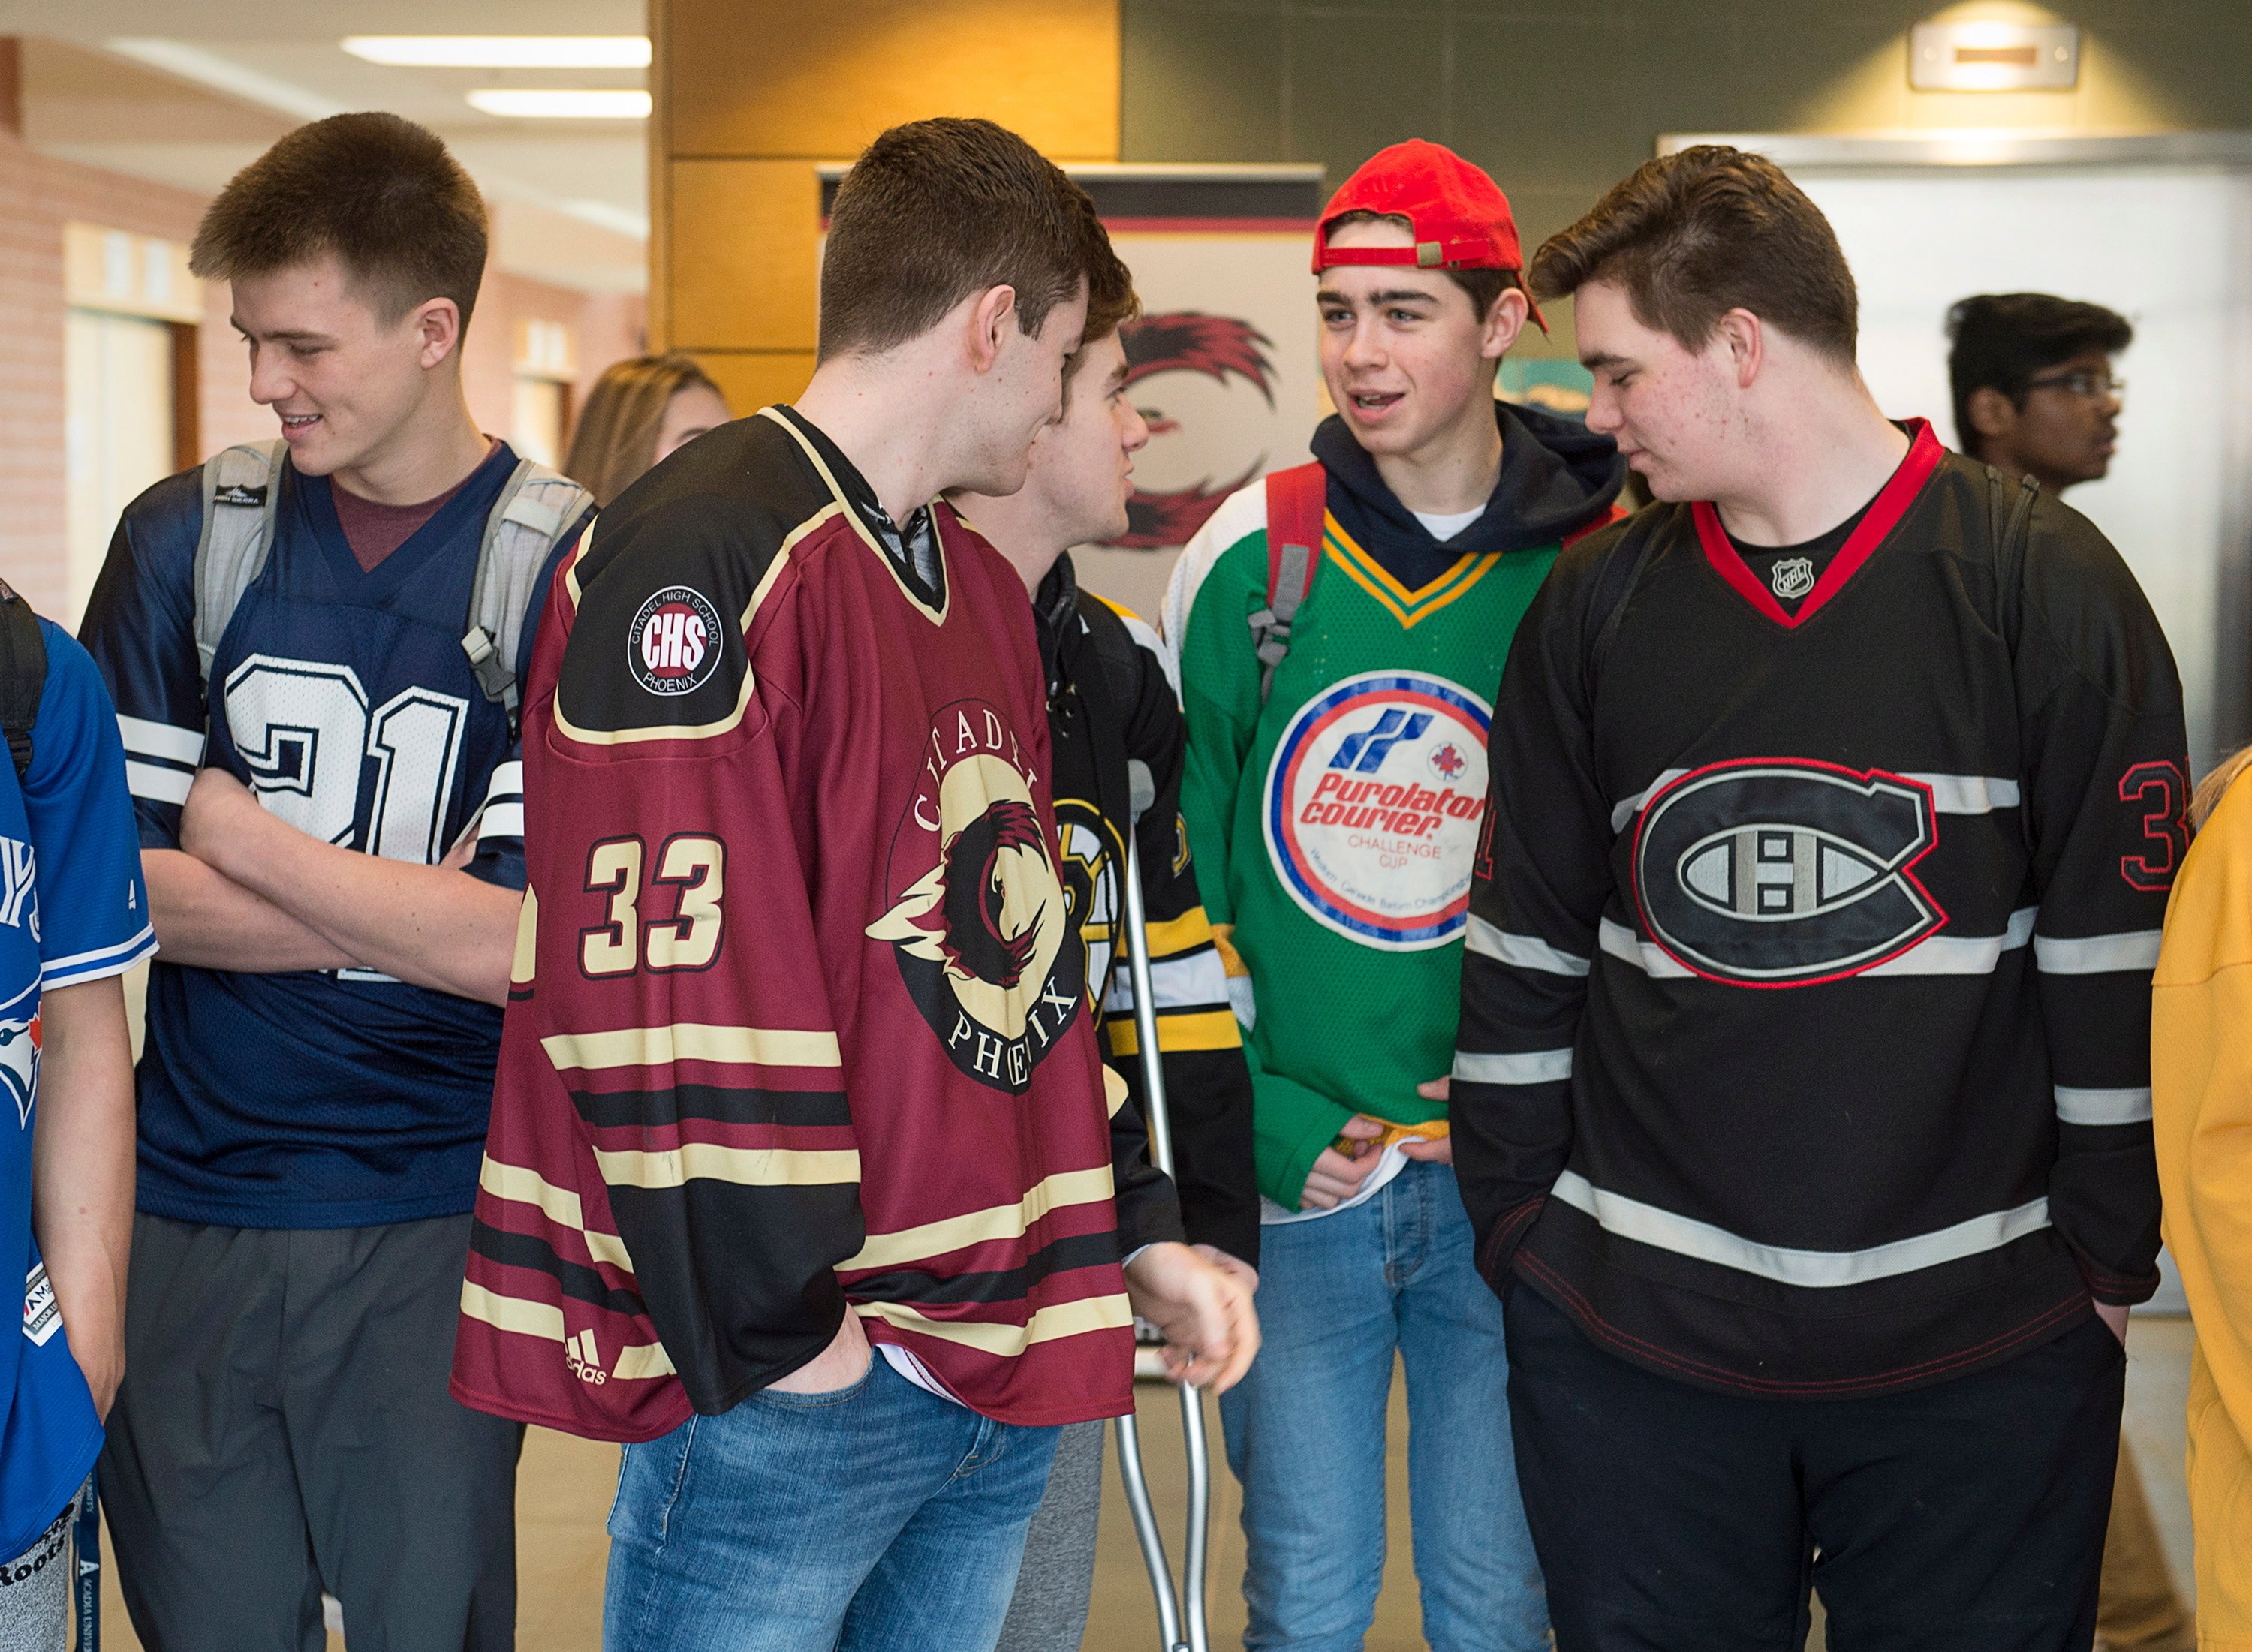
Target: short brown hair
x,y
934,211
1694,235
1111,300
1482,286
613,442
381,193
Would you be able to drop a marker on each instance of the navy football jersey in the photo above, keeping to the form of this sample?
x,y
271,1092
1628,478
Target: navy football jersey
x,y
342,700
72,910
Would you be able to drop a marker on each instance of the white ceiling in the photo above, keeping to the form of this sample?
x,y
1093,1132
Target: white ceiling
x,y
570,198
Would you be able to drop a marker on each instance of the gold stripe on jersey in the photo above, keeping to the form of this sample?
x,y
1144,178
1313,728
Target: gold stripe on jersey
x,y
522,966
935,616
519,1184
692,1041
1179,1030
1409,607
745,1167
722,725
930,1239
1007,1342
528,1318
1173,936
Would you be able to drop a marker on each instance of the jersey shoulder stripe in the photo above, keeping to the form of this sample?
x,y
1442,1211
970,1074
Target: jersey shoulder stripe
x,y
662,594
1242,514
1141,632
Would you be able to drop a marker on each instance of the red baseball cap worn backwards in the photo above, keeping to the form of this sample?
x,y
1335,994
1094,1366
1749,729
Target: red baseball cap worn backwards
x,y
1457,214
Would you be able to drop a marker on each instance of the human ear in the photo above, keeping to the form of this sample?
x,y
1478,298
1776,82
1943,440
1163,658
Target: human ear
x,y
437,325
1504,322
1738,332
992,318
1992,412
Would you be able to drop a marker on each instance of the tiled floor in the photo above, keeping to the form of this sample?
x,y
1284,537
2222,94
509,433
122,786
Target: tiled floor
x,y
563,1494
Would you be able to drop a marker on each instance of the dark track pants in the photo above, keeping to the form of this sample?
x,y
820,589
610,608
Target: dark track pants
x,y
1966,1516
284,1427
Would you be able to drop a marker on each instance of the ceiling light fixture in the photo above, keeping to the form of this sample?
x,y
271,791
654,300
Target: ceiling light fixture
x,y
502,51
540,103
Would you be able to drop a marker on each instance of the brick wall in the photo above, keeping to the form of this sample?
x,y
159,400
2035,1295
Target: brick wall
x,y
38,193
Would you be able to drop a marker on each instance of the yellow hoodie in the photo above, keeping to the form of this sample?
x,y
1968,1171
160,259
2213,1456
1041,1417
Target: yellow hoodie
x,y
2201,1099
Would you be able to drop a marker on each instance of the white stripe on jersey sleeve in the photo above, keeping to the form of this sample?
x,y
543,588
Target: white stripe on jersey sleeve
x,y
1527,952
507,782
166,741
501,820
155,785
2128,1105
1938,955
1242,513
1814,1270
99,964
2135,949
1950,795
1198,982
1968,794
1536,1066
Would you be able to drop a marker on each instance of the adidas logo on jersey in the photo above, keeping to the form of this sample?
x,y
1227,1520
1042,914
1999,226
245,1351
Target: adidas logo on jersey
x,y
582,1361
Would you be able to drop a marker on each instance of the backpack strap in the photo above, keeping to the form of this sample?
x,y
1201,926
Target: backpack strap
x,y
532,514
23,676
242,495
2010,520
1296,500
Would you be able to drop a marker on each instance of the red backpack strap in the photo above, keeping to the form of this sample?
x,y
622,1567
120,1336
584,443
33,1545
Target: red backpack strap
x,y
1617,512
1296,500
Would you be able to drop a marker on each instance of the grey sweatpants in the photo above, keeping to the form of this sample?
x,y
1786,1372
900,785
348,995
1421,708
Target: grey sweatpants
x,y
35,1592
1048,1612
284,1428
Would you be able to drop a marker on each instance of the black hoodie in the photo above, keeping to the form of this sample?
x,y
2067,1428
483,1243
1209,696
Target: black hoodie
x,y
1557,476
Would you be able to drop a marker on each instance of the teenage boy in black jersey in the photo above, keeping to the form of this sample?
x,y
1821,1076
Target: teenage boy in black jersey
x,y
1802,1099
1111,701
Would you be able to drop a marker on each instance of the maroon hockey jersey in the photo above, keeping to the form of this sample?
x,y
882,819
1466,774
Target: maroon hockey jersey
x,y
798,1025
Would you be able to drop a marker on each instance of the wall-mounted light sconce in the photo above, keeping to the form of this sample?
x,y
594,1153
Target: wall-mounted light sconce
x,y
1994,57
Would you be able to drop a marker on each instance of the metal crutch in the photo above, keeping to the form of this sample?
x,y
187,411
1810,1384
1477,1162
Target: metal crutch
x,y
1180,1616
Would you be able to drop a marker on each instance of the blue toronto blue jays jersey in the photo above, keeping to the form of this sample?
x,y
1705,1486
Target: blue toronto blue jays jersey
x,y
72,910
342,697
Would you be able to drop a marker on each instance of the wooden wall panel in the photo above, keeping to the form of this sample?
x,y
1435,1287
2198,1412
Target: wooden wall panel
x,y
819,82
741,244
750,94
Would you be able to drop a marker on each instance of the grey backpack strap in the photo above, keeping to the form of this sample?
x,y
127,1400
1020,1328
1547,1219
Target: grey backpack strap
x,y
532,513
242,494
1270,626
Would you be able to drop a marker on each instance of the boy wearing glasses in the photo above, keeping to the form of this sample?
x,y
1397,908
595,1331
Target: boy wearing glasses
x,y
2034,392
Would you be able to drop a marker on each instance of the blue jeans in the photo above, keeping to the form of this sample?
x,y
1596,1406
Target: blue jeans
x,y
1305,1430
878,1518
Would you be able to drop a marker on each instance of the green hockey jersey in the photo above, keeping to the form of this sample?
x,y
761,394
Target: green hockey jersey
x,y
1334,827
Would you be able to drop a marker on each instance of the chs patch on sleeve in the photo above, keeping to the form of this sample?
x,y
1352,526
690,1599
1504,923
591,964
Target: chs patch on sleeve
x,y
674,645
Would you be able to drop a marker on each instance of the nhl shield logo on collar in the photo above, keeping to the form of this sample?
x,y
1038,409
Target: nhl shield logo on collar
x,y
1792,577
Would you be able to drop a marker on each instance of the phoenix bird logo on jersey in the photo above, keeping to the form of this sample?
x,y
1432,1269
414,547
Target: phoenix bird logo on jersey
x,y
19,1063
1784,872
980,922
1221,348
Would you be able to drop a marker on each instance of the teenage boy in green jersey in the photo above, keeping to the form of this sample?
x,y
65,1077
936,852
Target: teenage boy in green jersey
x,y
1341,630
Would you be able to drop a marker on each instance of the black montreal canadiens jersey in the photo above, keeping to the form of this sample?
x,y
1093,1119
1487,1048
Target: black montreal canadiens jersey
x,y
1805,1012
343,699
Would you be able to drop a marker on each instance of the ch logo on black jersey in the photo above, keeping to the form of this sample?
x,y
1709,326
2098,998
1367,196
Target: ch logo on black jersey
x,y
1776,872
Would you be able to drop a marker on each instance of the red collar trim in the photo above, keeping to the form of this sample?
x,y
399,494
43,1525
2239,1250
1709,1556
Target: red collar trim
x,y
1885,511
